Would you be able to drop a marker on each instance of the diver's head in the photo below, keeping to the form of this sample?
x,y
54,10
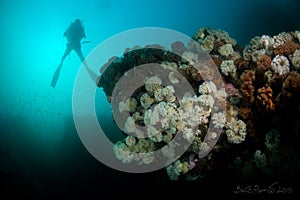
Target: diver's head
x,y
77,21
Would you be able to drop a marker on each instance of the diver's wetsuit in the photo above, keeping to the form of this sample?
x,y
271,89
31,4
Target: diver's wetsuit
x,y
74,34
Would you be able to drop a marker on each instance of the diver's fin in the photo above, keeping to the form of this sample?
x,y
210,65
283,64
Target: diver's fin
x,y
55,76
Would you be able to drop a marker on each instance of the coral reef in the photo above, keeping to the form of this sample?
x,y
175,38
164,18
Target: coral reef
x,y
265,98
247,88
260,126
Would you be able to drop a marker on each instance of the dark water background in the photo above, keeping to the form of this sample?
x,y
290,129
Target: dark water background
x,y
40,151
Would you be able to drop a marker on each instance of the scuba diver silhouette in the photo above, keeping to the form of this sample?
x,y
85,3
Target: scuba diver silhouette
x,y
74,34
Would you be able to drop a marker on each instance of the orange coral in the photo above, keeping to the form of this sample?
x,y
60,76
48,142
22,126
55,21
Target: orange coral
x,y
217,61
290,95
247,88
245,112
292,81
251,128
265,98
287,48
264,63
218,44
241,64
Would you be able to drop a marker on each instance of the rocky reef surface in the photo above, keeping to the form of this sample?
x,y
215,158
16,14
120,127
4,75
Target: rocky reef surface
x,y
255,106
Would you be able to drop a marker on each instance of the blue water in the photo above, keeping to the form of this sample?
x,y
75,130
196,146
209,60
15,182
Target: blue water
x,y
36,120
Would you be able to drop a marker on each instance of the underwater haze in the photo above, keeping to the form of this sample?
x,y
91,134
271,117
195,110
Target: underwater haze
x,y
40,150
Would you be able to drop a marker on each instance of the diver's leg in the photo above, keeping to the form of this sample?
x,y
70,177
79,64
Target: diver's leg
x,y
66,53
80,55
57,71
91,73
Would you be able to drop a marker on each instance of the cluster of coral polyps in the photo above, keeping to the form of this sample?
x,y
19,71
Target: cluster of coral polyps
x,y
261,122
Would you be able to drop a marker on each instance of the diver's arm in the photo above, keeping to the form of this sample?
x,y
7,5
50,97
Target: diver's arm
x,y
83,32
66,32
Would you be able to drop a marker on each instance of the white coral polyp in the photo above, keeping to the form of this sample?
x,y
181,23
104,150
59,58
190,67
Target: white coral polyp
x,y
296,59
298,35
129,105
208,87
168,92
122,152
228,67
236,132
130,141
146,101
130,126
153,84
256,55
163,114
220,95
154,134
191,57
188,134
197,115
219,120
206,100
266,41
188,102
226,50
147,158
280,65
280,39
